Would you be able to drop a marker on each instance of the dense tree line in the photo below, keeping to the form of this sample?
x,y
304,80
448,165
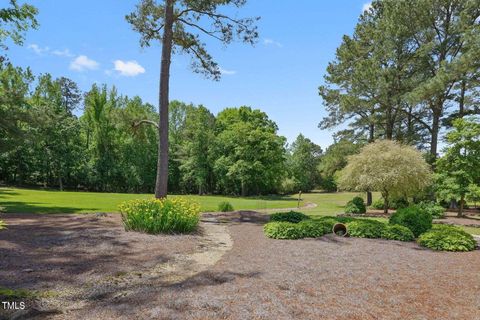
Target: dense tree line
x,y
113,145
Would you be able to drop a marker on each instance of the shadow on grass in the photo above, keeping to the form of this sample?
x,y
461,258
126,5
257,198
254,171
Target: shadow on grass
x,y
33,207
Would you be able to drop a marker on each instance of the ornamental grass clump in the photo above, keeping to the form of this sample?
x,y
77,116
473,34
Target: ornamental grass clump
x,y
447,238
156,216
225,206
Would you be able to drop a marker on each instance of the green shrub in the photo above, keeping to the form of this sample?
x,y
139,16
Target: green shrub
x,y
225,206
2,225
397,232
356,205
398,203
160,215
314,228
282,230
395,203
447,238
435,210
414,218
291,216
365,228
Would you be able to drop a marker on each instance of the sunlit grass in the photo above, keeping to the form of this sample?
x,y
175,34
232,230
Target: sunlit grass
x,y
51,201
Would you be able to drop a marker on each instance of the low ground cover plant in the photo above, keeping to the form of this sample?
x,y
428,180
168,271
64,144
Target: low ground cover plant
x,y
225,206
397,232
282,230
160,215
314,228
355,206
291,216
365,228
447,238
414,218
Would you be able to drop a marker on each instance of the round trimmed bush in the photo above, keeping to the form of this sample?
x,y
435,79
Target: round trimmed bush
x,y
314,228
291,216
365,228
397,232
414,218
282,230
356,206
225,206
378,204
160,215
447,238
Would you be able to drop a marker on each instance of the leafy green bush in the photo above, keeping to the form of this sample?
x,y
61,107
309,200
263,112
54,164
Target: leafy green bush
x,y
356,205
160,215
414,218
395,203
378,204
314,228
225,206
397,232
447,238
365,228
282,230
291,216
435,210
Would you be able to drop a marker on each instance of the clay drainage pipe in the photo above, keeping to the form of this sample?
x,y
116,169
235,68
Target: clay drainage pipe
x,y
340,230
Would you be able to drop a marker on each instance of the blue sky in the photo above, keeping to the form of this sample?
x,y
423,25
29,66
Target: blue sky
x,y
90,41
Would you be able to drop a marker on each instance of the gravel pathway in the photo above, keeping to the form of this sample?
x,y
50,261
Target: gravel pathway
x,y
325,278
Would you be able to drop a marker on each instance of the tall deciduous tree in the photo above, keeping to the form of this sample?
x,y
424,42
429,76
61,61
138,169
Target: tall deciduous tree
x,y
177,24
459,168
303,163
387,167
15,20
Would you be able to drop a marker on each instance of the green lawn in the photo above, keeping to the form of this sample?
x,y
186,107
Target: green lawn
x,y
330,203
50,201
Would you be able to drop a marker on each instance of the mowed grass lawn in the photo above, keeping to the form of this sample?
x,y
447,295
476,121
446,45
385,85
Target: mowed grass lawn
x,y
51,201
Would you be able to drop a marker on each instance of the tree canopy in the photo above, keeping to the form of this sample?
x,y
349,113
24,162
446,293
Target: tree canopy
x,y
388,167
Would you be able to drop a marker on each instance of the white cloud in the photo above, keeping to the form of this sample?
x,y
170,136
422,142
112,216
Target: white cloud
x,y
63,53
366,6
271,42
227,72
37,49
128,68
82,63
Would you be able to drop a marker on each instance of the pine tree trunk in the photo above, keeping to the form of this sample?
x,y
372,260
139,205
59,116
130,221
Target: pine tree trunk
x,y
434,139
461,103
162,161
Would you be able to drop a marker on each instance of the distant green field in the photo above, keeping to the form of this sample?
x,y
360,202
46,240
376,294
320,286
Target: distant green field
x,y
330,203
50,201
